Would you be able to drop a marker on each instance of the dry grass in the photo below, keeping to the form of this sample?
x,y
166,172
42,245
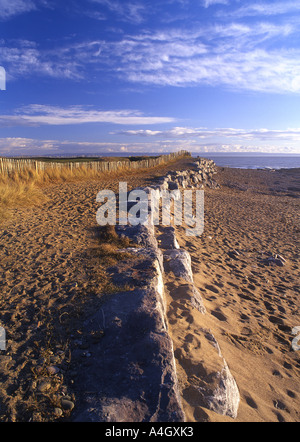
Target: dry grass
x,y
111,246
57,175
15,194
25,187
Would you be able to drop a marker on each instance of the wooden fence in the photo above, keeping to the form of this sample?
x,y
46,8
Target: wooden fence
x,y
10,165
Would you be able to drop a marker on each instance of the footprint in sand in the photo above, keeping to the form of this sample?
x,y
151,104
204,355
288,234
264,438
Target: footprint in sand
x,y
219,315
252,287
244,317
291,394
251,402
280,417
212,288
269,307
191,343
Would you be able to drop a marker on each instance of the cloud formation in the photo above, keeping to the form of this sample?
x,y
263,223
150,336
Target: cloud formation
x,y
131,11
266,9
11,8
234,55
204,133
30,146
37,115
208,3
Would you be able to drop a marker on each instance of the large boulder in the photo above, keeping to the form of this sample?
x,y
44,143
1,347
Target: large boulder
x,y
130,375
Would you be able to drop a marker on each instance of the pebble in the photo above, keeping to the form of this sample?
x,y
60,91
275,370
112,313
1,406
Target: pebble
x,y
278,260
58,412
281,258
53,370
235,252
44,385
67,405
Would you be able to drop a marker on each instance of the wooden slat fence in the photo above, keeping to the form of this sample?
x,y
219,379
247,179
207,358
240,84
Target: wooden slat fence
x,y
10,165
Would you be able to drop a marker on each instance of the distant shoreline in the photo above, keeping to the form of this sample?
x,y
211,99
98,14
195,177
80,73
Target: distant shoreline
x,y
249,160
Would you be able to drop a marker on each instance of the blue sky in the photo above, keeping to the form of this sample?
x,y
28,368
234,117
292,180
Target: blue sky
x,y
95,76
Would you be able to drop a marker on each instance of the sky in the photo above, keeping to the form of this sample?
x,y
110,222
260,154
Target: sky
x,y
88,77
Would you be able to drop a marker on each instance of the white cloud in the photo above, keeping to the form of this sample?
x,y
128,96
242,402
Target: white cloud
x,y
23,58
11,8
260,57
131,11
266,9
204,133
232,55
37,115
208,3
23,146
30,146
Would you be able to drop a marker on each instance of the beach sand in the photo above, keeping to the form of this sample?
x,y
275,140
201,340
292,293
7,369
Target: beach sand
x,y
252,307
51,279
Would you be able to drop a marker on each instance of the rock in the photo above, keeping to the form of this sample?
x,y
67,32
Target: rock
x,y
215,387
173,186
167,239
295,342
234,254
281,258
179,262
58,412
197,301
275,260
225,399
53,370
67,404
181,180
140,234
279,262
131,375
44,385
163,184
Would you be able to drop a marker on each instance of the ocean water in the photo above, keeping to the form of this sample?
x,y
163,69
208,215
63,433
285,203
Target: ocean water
x,y
253,161
241,161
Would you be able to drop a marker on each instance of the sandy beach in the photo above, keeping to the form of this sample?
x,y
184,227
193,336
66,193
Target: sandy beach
x,y
252,306
52,277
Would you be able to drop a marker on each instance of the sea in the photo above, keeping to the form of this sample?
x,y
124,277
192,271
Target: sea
x,y
239,160
253,161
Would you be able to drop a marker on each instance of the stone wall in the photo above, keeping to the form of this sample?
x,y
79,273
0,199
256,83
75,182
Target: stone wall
x,y
132,373
200,177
